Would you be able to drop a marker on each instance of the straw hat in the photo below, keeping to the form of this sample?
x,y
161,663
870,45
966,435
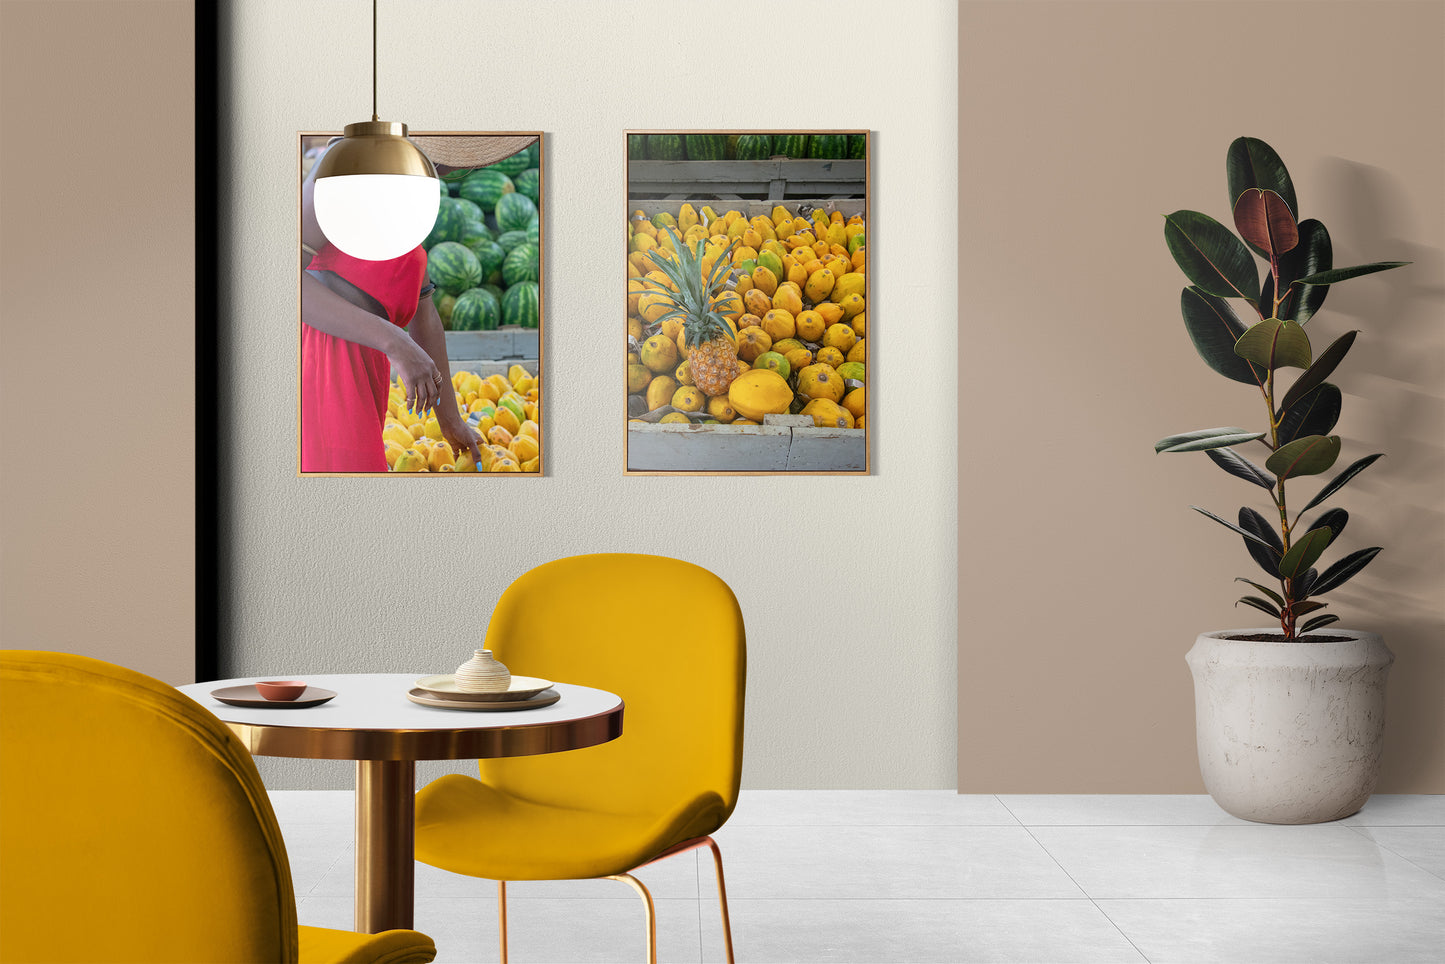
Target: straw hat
x,y
471,150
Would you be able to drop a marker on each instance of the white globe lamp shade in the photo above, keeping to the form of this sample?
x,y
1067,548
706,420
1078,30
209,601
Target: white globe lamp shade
x,y
376,194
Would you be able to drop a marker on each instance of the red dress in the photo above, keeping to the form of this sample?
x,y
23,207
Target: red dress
x,y
344,384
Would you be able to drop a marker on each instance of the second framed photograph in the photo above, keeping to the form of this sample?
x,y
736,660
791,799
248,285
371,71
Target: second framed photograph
x,y
428,362
747,302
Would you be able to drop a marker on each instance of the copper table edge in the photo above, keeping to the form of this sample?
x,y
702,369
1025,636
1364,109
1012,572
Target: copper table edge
x,y
522,739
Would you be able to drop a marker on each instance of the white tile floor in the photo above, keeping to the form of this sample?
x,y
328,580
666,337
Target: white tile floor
x,y
895,876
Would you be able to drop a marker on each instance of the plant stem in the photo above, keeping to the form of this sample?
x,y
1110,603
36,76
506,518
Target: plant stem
x,y
1287,616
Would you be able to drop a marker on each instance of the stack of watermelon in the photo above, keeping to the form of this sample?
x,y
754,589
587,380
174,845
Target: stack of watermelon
x,y
484,251
743,147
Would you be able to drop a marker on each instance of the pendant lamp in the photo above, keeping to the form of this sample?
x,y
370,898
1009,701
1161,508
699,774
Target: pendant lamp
x,y
376,194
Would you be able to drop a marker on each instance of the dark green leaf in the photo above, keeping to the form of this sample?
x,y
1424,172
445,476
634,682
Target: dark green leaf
x,y
1273,344
1278,599
1310,455
1214,328
1205,438
1304,552
1319,369
1262,541
1248,536
1336,275
1315,414
1304,608
1251,162
1259,604
1304,585
1334,520
1311,256
1338,482
1318,622
1237,465
1211,256
1265,223
1337,575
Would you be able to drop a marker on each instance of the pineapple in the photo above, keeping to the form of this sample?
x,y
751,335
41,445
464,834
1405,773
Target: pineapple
x,y
709,336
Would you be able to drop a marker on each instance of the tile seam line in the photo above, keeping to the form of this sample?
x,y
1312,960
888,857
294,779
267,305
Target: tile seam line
x,y
1389,850
1105,914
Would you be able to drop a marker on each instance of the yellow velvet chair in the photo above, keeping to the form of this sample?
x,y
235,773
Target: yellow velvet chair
x,y
135,827
666,636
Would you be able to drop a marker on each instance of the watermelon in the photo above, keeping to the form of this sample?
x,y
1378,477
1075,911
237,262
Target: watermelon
x,y
473,232
534,153
828,146
444,304
514,165
511,239
513,211
755,147
858,146
792,145
496,292
529,183
707,147
636,147
476,310
665,147
471,211
450,217
453,267
485,187
522,264
446,191
534,229
490,256
521,304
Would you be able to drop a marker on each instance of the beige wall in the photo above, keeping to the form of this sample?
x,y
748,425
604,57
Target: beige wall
x,y
97,266
1083,576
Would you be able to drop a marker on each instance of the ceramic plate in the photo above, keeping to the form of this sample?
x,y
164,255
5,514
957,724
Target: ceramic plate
x,y
428,698
249,696
444,687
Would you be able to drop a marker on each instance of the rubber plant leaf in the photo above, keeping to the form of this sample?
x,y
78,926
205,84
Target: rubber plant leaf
x,y
1315,414
1304,585
1261,540
1241,467
1273,343
1310,455
1319,369
1304,552
1278,599
1211,256
1265,222
1259,604
1334,520
1249,536
1204,439
1336,575
1214,328
1251,162
1338,482
1336,275
1299,302
1319,622
1309,606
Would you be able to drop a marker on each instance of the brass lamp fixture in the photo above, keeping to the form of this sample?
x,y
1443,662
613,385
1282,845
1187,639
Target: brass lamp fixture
x,y
376,194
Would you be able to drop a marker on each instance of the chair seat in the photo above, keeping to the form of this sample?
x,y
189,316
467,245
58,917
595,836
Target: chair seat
x,y
458,820
321,945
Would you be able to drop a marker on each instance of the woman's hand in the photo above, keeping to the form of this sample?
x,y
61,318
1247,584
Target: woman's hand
x,y
459,433
419,374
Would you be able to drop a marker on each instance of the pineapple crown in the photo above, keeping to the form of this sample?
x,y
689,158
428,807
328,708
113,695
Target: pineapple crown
x,y
692,301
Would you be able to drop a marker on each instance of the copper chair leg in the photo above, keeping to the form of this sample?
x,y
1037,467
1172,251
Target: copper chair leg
x,y
722,898
502,917
638,886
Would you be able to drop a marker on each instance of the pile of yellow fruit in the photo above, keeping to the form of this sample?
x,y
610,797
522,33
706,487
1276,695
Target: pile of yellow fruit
x,y
506,408
795,300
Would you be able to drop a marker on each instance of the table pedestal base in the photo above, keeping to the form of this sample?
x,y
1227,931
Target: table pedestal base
x,y
385,844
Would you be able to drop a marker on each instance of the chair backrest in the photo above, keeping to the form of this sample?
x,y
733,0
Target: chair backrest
x,y
665,635
133,824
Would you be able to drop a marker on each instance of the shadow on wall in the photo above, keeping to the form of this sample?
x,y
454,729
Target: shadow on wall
x,y
1396,374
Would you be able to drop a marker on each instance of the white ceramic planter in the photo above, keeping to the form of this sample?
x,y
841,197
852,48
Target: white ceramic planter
x,y
1290,732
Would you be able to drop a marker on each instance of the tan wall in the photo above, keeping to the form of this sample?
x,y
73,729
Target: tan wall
x,y
97,266
1083,576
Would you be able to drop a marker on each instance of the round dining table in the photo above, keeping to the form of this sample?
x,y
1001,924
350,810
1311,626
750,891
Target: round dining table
x,y
372,721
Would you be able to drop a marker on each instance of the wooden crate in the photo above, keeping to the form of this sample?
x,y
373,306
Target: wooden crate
x,y
503,343
775,179
749,209
781,444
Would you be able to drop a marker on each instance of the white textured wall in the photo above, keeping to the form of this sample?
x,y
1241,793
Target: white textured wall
x,y
847,584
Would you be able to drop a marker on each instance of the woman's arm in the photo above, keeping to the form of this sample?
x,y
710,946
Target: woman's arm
x,y
426,331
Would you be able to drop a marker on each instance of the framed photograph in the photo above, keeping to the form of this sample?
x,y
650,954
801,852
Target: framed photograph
x,y
462,312
747,297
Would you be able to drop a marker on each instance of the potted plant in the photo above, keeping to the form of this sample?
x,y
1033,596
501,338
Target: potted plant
x,y
1290,721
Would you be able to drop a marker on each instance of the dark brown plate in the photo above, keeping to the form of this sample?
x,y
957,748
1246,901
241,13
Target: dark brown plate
x,y
248,695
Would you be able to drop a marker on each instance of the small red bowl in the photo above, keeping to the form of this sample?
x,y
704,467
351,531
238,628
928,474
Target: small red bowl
x,y
281,691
